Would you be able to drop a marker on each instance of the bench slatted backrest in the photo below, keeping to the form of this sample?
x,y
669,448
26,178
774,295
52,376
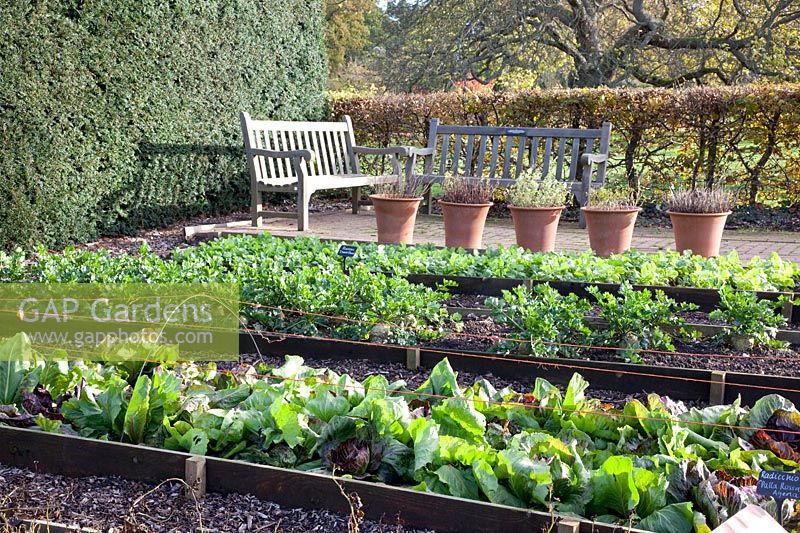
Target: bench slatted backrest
x,y
500,154
330,142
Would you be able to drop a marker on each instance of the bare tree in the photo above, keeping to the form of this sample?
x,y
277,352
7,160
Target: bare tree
x,y
607,42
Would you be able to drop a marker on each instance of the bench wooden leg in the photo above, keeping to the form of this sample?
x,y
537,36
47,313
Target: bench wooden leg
x,y
356,198
429,201
303,203
256,205
583,199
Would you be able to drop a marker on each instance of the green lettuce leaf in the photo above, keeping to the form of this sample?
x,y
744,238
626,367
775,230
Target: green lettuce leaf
x,y
442,381
613,487
136,415
674,518
529,479
325,405
458,482
426,442
490,486
761,411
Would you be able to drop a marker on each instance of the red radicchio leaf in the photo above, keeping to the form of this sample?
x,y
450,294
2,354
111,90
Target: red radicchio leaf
x,y
783,421
349,457
762,440
41,402
736,481
420,408
9,415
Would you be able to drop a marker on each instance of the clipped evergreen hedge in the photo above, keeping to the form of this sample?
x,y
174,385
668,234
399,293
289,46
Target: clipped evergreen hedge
x,y
744,137
121,114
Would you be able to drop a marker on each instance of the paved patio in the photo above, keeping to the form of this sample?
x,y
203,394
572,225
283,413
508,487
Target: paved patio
x,y
342,225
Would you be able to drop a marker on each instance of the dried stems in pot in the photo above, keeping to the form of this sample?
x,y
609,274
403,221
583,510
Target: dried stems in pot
x,y
464,190
700,201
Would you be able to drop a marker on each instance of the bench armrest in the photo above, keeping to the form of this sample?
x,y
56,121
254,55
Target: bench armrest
x,y
282,154
422,152
389,150
588,161
593,159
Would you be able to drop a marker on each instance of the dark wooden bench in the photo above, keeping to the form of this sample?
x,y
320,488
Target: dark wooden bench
x,y
500,154
304,157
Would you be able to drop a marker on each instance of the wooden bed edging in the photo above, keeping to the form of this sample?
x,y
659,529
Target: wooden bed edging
x,y
78,456
688,384
706,299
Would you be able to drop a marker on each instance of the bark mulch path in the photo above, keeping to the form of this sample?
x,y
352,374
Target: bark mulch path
x,y
112,504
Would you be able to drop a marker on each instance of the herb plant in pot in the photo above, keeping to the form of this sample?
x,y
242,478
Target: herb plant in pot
x,y
536,205
698,219
465,204
610,216
396,206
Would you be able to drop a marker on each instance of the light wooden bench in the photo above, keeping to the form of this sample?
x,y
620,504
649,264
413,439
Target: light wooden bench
x,y
501,154
304,157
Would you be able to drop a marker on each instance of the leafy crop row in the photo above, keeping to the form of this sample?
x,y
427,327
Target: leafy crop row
x,y
242,254
556,325
655,464
299,286
663,268
285,293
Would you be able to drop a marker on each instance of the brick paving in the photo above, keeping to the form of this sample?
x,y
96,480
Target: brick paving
x,y
343,225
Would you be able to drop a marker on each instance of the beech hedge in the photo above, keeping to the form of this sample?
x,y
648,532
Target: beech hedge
x,y
122,114
745,137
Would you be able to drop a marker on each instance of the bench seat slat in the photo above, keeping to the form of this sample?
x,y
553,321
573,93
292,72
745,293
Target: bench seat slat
x,y
468,160
279,163
443,156
481,156
562,142
507,158
456,156
520,156
495,152
548,148
534,152
574,158
322,154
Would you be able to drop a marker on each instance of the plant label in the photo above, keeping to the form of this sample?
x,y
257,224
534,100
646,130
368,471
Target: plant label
x,y
346,250
779,485
751,518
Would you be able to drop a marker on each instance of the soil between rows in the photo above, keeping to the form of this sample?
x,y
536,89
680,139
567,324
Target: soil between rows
x,y
480,333
106,504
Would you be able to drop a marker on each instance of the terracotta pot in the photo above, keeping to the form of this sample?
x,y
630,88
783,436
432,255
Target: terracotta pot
x,y
395,218
536,227
610,232
699,232
463,224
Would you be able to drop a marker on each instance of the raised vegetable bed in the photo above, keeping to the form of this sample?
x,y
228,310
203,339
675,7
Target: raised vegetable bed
x,y
694,385
75,456
706,299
